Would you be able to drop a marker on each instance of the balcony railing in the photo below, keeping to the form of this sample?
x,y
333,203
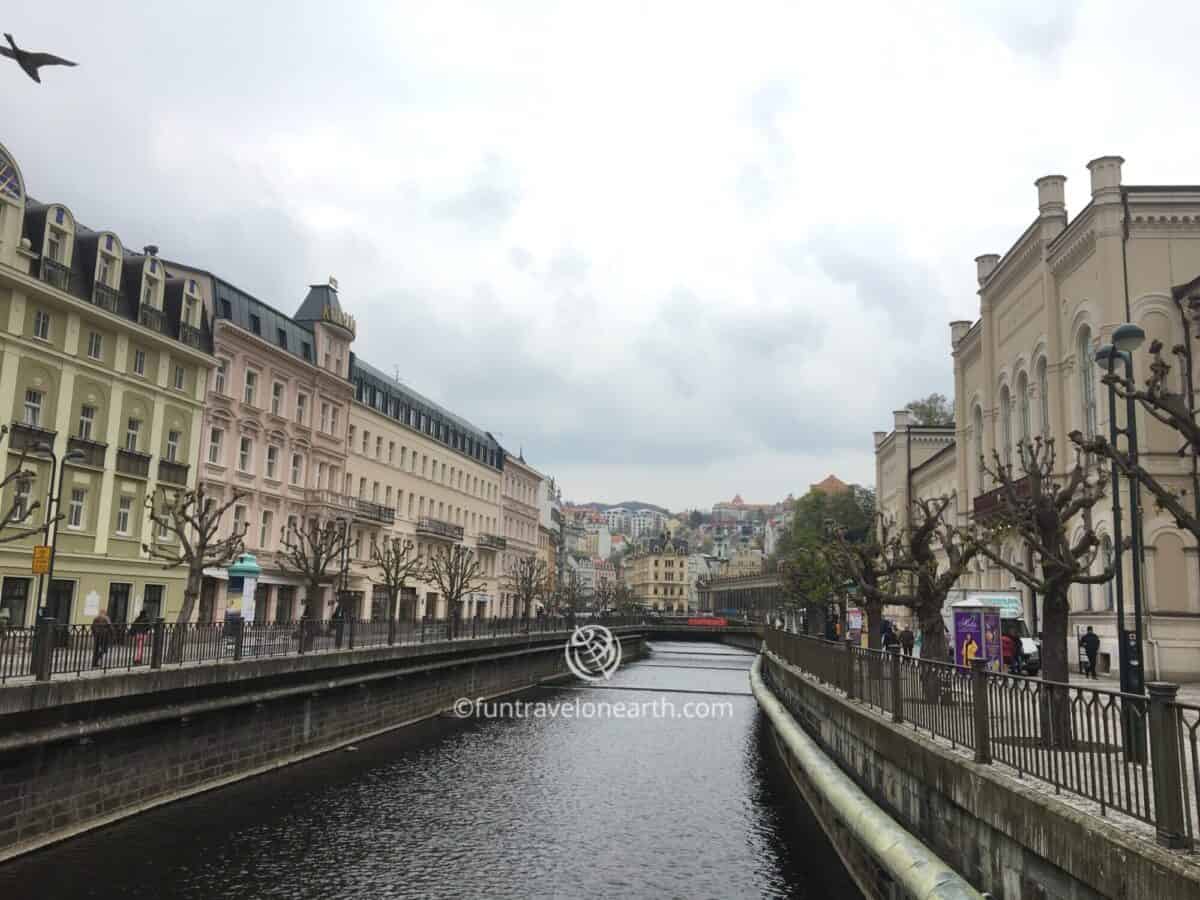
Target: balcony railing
x,y
438,528
172,472
105,297
374,512
94,452
131,462
332,499
492,542
27,437
990,503
152,317
55,273
189,335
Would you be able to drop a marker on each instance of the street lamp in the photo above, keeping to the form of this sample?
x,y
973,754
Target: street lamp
x,y
1126,339
58,469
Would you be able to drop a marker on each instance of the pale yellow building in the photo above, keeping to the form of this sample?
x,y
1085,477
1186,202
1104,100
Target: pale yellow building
x,y
520,519
104,355
658,575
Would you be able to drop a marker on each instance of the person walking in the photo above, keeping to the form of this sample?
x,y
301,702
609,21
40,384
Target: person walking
x,y
101,635
1008,652
1090,642
139,630
891,643
907,640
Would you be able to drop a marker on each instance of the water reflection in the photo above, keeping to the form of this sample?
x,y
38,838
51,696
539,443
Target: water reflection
x,y
578,808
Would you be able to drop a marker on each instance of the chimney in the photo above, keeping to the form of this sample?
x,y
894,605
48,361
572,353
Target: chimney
x,y
985,265
901,419
958,331
1106,179
150,250
1052,197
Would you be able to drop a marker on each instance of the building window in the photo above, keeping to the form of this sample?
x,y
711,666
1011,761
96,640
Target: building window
x,y
325,417
379,448
75,508
87,420
132,430
245,453
95,346
41,325
124,507
391,452
1006,425
1023,400
33,408
264,530
281,337
977,440
362,489
250,395
301,408
214,446
239,518
179,378
255,324
219,384
1087,381
173,446
366,441
297,467
139,362
276,398
333,421
1044,397
272,461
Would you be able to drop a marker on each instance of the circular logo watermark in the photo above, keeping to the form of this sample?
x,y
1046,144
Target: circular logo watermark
x,y
593,652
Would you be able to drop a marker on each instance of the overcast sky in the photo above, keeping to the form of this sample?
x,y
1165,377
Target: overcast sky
x,y
673,251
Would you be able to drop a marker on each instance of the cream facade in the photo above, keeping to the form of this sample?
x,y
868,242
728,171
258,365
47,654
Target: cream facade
x,y
520,517
1026,368
659,575
104,353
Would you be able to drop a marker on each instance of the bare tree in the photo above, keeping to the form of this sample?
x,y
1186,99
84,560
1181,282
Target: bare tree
x,y
623,598
183,532
456,571
308,551
569,595
602,597
20,510
1041,509
397,561
526,579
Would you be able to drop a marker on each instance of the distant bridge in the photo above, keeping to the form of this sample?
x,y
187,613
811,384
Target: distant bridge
x,y
753,597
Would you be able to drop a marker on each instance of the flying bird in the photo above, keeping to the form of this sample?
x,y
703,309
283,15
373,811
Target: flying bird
x,y
31,62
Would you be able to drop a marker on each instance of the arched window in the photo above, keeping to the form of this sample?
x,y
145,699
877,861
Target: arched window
x,y
1087,381
1044,396
977,428
1106,560
1023,399
1006,425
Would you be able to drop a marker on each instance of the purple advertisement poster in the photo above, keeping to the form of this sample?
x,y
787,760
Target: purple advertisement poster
x,y
991,640
968,635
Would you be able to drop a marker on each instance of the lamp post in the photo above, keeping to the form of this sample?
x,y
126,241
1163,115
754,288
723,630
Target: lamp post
x,y
58,468
1126,339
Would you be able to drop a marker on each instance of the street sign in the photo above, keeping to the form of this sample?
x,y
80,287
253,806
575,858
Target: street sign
x,y
41,559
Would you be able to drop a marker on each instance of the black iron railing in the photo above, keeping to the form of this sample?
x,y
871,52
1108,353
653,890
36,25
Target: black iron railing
x,y
438,528
374,512
190,335
332,499
131,462
492,542
27,437
105,297
172,472
991,502
152,317
55,273
1137,755
94,452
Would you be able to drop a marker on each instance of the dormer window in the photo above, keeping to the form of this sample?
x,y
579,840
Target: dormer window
x,y
54,243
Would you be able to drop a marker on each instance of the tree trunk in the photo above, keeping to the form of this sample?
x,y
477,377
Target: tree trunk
x,y
933,633
1055,702
873,611
191,593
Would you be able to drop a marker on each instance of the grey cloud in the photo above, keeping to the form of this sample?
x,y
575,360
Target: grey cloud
x,y
488,202
1038,30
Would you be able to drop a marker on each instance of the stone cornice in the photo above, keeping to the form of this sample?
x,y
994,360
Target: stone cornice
x,y
1070,255
1016,263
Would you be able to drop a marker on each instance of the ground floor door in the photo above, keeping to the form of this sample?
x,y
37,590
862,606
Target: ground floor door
x,y
14,596
208,600
379,603
60,600
285,603
118,602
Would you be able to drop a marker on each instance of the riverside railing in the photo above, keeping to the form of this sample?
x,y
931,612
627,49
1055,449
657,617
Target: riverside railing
x,y
52,648
1139,756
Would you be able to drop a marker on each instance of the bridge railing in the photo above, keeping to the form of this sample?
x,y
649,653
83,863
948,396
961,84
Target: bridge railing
x,y
1137,755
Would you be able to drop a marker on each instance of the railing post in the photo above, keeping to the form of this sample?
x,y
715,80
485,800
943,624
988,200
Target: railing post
x,y
849,669
156,647
239,636
897,693
1165,766
391,632
351,630
43,644
303,633
979,708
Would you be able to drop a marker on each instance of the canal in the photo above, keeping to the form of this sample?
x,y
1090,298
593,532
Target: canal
x,y
647,797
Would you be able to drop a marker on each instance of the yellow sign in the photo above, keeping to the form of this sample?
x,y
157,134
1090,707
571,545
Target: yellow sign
x,y
41,559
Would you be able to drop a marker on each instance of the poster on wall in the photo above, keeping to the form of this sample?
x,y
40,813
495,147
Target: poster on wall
x,y
854,625
249,587
977,635
91,604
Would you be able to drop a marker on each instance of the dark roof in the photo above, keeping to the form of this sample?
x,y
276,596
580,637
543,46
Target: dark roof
x,y
398,401
263,320
81,276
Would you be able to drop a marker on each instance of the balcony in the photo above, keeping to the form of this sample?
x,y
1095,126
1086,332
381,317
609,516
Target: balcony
x,y
189,335
374,512
492,542
152,317
131,462
986,505
94,452
330,499
105,297
55,274
27,437
437,528
172,472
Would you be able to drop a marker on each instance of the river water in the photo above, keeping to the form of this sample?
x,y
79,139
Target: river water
x,y
628,803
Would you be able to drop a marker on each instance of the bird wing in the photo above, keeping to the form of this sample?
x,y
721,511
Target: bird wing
x,y
47,59
5,51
